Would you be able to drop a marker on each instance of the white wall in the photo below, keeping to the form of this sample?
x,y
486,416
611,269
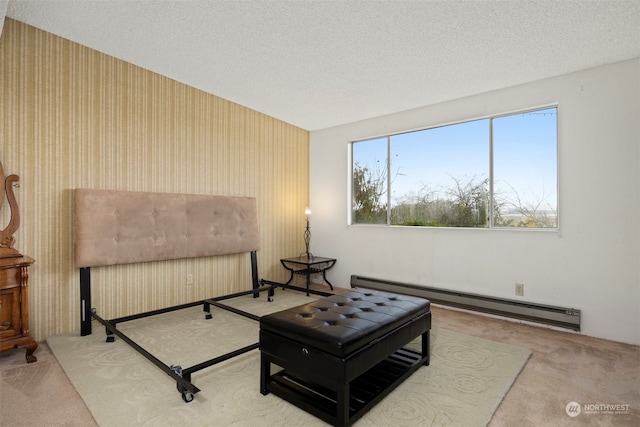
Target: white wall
x,y
3,12
592,263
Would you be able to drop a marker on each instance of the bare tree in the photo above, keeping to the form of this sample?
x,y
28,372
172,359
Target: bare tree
x,y
531,213
470,200
464,204
369,193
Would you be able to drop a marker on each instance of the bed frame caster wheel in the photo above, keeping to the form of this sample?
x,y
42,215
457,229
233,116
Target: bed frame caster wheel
x,y
187,396
270,299
111,338
209,316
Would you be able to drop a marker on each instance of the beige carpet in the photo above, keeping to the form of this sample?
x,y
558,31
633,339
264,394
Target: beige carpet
x,y
465,383
38,394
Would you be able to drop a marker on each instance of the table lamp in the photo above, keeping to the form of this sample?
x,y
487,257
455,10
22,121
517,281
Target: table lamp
x,y
307,235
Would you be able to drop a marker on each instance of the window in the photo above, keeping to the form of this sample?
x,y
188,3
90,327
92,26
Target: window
x,y
495,172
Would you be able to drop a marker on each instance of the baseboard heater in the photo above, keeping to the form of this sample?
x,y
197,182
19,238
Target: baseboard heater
x,y
550,315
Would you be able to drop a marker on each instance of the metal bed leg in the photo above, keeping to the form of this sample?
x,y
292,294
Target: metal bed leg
x,y
85,301
110,336
207,309
254,273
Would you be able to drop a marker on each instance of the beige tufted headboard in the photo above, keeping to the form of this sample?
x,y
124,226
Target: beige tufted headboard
x,y
121,227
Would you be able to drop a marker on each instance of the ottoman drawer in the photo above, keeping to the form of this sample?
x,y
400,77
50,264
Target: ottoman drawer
x,y
301,358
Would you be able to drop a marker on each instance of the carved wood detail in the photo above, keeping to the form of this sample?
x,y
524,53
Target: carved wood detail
x,y
6,235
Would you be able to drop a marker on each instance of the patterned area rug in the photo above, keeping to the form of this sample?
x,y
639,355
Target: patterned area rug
x,y
466,381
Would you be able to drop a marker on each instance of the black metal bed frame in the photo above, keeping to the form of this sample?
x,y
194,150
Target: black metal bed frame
x,y
182,376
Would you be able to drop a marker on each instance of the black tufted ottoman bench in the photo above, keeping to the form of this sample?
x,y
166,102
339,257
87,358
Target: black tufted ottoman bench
x,y
342,354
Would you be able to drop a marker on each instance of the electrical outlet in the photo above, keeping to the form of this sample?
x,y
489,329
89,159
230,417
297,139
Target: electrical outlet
x,y
189,279
520,289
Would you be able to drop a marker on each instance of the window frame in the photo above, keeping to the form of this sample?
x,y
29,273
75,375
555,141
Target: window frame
x,y
491,203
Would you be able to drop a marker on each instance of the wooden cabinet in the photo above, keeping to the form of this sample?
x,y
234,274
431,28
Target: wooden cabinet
x,y
14,305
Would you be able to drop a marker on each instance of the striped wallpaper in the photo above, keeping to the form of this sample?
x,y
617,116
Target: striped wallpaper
x,y
72,117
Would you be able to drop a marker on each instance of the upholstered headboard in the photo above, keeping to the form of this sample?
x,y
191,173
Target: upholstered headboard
x,y
121,227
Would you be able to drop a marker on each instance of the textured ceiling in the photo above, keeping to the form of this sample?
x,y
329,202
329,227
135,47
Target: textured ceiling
x,y
317,64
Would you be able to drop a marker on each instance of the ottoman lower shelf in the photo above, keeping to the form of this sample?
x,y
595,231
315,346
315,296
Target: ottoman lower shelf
x,y
364,392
